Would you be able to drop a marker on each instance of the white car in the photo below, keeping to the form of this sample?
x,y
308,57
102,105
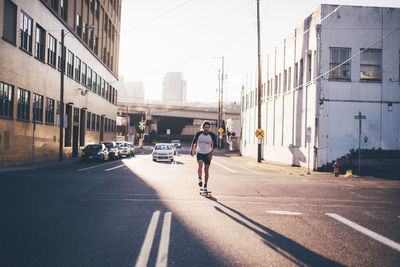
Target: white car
x,y
163,152
124,148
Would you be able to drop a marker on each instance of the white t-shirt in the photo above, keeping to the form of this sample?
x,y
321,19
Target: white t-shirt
x,y
204,144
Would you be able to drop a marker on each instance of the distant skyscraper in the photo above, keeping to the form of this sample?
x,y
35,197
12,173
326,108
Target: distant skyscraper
x,y
174,88
130,92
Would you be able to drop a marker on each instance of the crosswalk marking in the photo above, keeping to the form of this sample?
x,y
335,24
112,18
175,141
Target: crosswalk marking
x,y
366,231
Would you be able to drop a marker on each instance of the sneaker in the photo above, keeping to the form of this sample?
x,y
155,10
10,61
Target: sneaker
x,y
205,189
200,182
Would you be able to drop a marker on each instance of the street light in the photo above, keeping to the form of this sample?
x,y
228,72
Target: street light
x,y
220,97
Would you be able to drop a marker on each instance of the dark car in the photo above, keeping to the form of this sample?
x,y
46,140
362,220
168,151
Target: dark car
x,y
177,143
95,152
113,149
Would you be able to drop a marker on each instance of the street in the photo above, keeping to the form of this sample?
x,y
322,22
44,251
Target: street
x,y
138,212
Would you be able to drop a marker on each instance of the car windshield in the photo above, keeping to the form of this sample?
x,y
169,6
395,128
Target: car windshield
x,y
175,141
109,145
163,147
92,148
122,144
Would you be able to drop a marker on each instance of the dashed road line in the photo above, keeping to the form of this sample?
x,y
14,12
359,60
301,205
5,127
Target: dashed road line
x,y
116,167
88,168
365,231
223,166
283,212
148,241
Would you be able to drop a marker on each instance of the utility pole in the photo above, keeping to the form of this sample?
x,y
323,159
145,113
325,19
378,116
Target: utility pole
x,y
259,80
221,76
60,151
127,124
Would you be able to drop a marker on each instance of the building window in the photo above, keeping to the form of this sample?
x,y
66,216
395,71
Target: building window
x,y
77,69
37,108
301,75
93,122
9,22
371,62
26,32
70,64
76,115
51,51
40,42
54,5
6,100
84,78
296,76
24,98
105,125
289,83
98,123
102,87
79,25
94,82
64,9
49,117
89,78
99,83
61,62
338,56
88,119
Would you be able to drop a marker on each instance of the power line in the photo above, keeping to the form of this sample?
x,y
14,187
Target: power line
x,y
157,17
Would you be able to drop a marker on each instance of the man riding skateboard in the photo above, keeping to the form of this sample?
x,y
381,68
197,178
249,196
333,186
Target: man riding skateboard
x,y
206,142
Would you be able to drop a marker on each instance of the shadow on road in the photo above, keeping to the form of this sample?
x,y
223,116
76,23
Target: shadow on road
x,y
288,248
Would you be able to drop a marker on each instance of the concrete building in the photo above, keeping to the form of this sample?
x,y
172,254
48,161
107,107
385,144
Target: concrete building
x,y
30,76
342,60
174,89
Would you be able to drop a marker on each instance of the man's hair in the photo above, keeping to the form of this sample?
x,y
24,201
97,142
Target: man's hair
x,y
204,124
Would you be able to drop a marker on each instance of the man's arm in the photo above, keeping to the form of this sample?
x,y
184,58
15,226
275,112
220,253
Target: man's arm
x,y
194,142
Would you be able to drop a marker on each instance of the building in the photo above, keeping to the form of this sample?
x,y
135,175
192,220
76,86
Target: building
x,y
340,62
30,76
174,89
130,92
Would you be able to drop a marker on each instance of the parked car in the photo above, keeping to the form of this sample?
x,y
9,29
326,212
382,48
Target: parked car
x,y
124,148
163,152
132,147
177,143
113,149
95,152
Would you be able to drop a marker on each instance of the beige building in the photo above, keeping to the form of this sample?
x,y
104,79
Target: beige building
x,y
31,74
174,89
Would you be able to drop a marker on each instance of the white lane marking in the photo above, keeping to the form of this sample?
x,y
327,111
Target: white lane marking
x,y
283,212
366,231
116,167
148,241
250,170
94,166
229,169
162,257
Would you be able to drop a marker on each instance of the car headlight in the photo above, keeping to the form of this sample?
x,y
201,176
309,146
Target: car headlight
x,y
99,153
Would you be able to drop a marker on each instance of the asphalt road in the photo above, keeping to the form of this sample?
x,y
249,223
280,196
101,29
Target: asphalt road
x,y
139,212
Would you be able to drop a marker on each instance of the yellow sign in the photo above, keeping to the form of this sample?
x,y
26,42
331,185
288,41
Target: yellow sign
x,y
259,133
220,130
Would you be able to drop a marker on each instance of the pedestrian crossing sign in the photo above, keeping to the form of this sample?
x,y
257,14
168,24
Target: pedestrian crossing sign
x,y
220,130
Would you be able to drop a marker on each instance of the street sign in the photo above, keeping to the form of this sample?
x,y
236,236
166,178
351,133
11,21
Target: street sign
x,y
259,133
360,117
220,130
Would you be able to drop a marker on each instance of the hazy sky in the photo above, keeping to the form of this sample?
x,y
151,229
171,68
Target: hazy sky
x,y
160,36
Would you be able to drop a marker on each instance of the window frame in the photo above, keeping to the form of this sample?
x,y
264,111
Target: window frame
x,y
49,113
77,69
6,100
23,104
70,64
40,44
37,108
25,30
10,17
379,65
52,51
333,64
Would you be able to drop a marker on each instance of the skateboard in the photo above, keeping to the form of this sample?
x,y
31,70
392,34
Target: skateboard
x,y
205,194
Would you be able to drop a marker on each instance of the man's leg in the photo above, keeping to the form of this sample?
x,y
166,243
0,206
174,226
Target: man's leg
x,y
199,171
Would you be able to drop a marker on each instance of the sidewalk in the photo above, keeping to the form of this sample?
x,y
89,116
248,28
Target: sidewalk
x,y
37,165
